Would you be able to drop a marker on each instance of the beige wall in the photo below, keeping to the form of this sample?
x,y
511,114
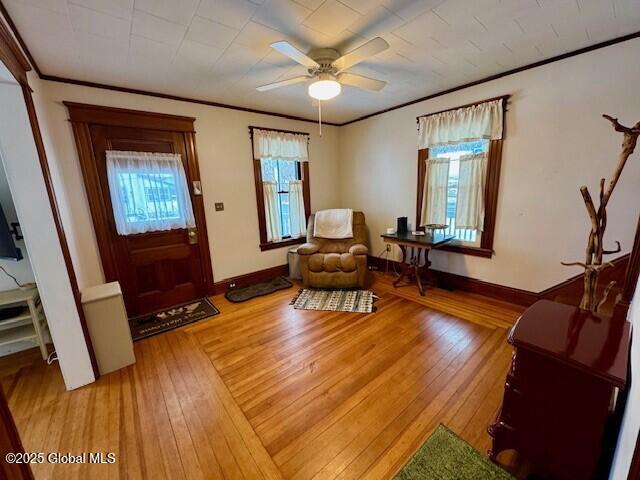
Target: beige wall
x,y
556,141
224,154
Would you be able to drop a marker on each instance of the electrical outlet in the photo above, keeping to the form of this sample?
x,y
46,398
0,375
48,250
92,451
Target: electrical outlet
x,y
388,247
219,206
232,285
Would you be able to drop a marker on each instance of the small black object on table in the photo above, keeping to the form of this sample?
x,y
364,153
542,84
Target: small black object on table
x,y
418,244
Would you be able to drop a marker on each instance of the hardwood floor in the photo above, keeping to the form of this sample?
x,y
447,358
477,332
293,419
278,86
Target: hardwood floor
x,y
266,391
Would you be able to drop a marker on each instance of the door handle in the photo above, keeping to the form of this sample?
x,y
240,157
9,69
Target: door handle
x,y
192,235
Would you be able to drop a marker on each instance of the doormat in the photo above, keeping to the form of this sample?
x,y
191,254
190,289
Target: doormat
x,y
144,326
238,295
356,301
445,456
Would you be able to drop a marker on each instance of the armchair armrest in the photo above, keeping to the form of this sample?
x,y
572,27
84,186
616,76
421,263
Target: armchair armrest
x,y
308,248
358,249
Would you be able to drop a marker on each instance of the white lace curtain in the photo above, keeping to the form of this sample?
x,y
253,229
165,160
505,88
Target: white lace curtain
x,y
149,192
469,123
297,217
271,211
280,145
434,203
472,179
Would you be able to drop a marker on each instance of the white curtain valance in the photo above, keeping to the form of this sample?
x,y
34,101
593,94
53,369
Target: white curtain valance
x,y
280,145
149,192
469,123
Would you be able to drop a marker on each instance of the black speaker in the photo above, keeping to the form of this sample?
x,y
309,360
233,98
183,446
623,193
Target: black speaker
x,y
402,225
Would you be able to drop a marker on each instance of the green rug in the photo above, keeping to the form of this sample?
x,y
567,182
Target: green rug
x,y
445,456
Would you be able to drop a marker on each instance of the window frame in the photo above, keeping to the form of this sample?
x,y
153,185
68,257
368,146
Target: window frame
x,y
485,249
306,193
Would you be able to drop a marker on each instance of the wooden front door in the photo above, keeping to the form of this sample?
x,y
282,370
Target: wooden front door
x,y
156,269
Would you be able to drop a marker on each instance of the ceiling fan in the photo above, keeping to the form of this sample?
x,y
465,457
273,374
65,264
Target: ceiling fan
x,y
327,68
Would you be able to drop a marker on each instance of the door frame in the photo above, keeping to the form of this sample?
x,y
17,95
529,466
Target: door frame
x,y
82,117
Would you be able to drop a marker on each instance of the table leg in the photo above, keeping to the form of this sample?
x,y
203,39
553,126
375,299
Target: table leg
x,y
36,325
404,265
416,268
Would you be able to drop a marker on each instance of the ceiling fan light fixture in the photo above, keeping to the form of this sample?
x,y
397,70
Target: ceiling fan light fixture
x,y
325,88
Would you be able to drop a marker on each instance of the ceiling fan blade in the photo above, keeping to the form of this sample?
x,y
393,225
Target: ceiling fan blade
x,y
283,83
361,82
293,53
369,49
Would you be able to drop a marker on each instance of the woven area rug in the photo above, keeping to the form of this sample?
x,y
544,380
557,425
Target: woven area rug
x,y
237,295
144,326
356,301
445,456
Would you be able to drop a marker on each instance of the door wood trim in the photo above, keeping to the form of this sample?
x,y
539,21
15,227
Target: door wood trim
x,y
82,117
10,443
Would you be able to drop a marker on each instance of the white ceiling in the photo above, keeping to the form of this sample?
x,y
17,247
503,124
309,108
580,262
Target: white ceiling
x,y
218,50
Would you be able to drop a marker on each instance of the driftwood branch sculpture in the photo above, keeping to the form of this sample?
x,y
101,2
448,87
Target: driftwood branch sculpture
x,y
593,263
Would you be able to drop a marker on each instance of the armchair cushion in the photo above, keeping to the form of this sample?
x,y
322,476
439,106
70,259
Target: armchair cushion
x,y
308,248
332,262
358,249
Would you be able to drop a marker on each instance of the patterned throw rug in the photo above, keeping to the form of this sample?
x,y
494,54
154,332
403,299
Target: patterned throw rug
x,y
147,325
445,456
356,301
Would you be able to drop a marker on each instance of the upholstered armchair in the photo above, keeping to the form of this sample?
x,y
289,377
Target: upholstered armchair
x,y
328,263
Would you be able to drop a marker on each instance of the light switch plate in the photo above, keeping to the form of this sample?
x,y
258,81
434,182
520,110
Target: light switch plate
x,y
219,206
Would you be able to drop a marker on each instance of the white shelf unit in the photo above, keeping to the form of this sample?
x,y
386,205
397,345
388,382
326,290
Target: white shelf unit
x,y
29,324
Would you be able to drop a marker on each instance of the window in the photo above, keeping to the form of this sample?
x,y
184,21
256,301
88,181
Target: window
x,y
149,192
281,174
459,153
454,152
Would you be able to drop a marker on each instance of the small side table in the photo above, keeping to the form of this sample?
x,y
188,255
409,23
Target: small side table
x,y
421,245
30,324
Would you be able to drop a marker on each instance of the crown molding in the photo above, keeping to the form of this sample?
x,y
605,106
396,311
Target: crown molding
x,y
506,73
53,78
166,96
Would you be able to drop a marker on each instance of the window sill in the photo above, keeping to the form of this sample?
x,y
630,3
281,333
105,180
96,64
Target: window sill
x,y
282,243
467,250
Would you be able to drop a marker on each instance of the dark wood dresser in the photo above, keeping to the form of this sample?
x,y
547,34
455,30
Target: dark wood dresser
x,y
560,390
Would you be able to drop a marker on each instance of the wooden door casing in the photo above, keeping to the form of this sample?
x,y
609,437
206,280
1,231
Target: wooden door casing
x,y
155,269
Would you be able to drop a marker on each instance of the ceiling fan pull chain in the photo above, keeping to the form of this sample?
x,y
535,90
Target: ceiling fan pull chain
x,y
320,116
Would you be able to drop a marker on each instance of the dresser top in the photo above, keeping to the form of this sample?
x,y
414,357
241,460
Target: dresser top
x,y
591,343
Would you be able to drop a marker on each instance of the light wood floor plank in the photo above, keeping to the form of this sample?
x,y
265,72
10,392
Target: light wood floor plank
x,y
264,391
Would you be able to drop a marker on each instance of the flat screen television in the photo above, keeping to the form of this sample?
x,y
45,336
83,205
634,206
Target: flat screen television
x,y
8,249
